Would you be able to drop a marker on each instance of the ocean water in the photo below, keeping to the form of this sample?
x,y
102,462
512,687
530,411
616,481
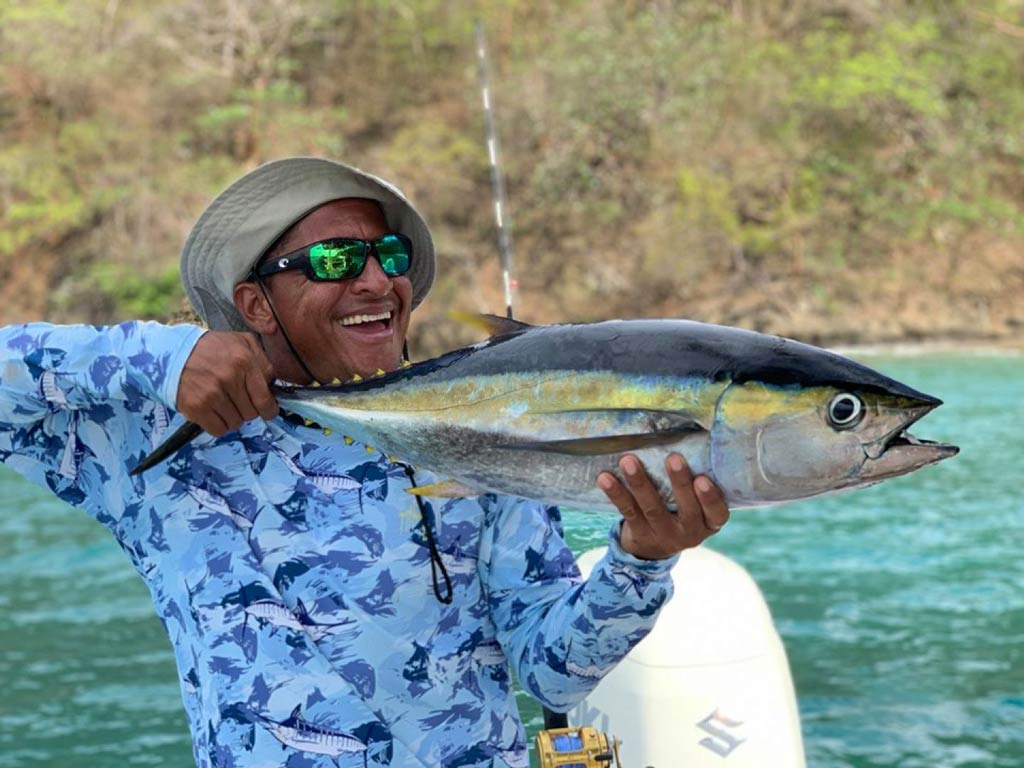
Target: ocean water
x,y
901,607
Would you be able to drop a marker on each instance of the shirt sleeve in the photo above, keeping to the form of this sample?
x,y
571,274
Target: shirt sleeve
x,y
46,367
560,633
65,392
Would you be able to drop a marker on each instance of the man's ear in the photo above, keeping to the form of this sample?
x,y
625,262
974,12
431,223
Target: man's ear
x,y
252,304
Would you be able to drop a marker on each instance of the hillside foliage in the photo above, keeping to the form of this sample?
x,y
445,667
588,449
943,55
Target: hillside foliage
x,y
830,169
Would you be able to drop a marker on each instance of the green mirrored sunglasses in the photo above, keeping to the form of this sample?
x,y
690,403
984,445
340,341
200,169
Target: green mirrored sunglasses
x,y
342,258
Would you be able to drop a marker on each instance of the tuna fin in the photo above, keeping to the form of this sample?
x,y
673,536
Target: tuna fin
x,y
446,489
607,444
493,325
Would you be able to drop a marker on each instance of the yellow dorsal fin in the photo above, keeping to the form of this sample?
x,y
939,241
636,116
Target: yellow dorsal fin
x,y
356,378
492,325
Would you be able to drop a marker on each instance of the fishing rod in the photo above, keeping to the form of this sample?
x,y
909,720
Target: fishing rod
x,y
497,177
558,744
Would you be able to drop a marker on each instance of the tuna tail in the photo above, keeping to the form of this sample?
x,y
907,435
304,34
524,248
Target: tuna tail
x,y
185,434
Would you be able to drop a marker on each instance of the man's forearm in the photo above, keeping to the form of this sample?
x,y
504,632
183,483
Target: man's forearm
x,y
560,634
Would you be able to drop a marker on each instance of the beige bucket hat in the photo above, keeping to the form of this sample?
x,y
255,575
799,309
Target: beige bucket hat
x,y
248,217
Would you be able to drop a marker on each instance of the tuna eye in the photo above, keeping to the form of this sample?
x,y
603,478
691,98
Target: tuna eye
x,y
845,411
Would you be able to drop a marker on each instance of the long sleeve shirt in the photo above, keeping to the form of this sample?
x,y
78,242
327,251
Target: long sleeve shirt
x,y
292,572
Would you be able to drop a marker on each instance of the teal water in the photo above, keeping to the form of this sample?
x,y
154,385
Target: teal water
x,y
901,607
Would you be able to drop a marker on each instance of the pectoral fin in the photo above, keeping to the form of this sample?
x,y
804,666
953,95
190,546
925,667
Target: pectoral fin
x,y
605,444
446,489
641,428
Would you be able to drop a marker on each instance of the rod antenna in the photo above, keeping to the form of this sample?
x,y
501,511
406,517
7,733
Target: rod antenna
x,y
497,177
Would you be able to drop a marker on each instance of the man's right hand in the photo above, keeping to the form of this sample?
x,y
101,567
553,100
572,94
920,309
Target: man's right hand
x,y
225,382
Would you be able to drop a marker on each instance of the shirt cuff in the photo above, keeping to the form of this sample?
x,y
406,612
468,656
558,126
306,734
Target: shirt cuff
x,y
622,558
176,364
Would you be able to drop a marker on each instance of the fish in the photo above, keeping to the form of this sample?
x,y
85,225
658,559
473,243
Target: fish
x,y
539,411
301,734
280,615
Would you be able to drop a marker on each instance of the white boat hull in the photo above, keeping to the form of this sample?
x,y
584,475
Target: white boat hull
x,y
710,687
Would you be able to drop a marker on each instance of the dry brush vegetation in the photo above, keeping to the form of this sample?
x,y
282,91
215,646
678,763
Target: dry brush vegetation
x,y
832,170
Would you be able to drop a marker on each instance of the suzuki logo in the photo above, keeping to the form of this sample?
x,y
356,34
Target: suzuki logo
x,y
720,741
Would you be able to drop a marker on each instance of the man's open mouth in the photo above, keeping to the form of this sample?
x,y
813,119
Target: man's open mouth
x,y
377,321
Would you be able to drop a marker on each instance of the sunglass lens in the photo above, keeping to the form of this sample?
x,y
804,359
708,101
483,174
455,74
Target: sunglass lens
x,y
337,260
395,254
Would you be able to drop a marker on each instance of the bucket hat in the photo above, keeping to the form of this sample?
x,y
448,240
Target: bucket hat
x,y
248,217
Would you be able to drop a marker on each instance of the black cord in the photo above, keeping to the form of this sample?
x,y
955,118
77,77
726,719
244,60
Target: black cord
x,y
284,334
435,557
428,531
436,562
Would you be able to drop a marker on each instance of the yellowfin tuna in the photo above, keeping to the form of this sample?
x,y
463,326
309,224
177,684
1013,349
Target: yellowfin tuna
x,y
539,411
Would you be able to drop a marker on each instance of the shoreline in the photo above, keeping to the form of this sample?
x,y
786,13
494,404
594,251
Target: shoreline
x,y
981,347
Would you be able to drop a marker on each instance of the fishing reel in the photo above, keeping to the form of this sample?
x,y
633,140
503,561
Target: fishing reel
x,y
584,747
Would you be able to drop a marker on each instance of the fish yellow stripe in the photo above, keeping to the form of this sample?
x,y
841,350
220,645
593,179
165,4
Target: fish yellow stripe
x,y
754,403
518,394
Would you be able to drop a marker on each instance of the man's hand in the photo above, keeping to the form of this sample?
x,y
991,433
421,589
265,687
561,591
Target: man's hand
x,y
224,382
650,530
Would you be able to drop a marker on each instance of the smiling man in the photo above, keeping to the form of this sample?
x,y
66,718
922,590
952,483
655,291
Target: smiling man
x,y
320,615
355,325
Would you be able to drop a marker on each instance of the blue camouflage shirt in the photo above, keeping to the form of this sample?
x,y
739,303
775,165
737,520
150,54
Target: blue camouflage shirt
x,y
293,576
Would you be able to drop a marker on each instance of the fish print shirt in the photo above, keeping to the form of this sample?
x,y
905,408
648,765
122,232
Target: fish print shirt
x,y
292,574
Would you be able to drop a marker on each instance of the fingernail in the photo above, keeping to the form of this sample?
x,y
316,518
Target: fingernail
x,y
675,463
604,481
702,485
630,465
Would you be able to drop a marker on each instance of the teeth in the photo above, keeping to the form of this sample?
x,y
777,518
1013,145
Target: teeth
x,y
357,319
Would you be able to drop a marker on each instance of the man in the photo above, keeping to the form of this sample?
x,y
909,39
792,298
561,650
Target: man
x,y
298,582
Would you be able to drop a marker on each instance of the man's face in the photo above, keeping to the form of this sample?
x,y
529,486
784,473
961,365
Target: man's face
x,y
326,320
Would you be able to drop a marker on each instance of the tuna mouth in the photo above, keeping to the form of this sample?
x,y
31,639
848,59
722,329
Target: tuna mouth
x,y
900,445
904,438
902,452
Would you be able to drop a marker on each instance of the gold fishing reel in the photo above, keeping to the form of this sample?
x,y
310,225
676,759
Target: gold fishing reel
x,y
584,747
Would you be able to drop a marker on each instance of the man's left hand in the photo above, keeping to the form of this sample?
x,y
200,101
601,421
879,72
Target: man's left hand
x,y
650,530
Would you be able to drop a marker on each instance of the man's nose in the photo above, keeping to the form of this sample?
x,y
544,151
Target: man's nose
x,y
373,280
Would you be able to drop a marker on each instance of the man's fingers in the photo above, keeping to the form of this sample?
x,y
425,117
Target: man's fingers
x,y
715,510
229,411
687,505
645,492
241,398
617,493
256,383
260,396
211,422
224,382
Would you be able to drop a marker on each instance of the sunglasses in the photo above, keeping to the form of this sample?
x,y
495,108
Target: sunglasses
x,y
342,258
